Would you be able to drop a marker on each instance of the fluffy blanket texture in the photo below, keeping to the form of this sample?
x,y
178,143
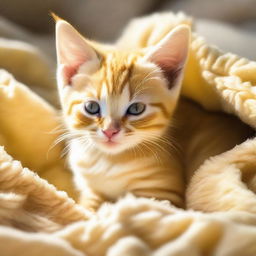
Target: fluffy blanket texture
x,y
37,218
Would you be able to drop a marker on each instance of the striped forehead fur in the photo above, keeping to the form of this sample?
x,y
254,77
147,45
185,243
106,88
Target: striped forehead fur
x,y
117,70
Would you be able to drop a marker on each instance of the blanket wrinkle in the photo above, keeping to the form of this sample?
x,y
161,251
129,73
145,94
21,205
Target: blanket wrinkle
x,y
18,128
226,80
134,234
23,243
35,195
12,214
227,174
38,218
20,54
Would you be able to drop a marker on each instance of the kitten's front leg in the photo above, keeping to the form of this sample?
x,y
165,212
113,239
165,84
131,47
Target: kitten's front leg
x,y
91,200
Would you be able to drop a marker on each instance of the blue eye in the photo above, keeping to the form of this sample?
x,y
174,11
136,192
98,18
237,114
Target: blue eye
x,y
92,107
136,109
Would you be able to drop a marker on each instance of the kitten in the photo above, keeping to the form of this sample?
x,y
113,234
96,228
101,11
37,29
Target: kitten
x,y
118,106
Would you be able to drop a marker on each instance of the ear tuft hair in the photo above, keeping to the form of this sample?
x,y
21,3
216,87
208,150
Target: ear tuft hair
x,y
55,17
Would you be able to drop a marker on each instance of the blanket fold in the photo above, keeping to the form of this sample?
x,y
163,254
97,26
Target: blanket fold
x,y
29,128
231,176
38,218
23,192
220,81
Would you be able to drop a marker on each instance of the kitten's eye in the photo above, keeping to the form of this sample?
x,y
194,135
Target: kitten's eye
x,y
92,107
136,109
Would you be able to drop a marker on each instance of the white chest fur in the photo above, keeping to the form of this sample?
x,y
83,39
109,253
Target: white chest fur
x,y
92,169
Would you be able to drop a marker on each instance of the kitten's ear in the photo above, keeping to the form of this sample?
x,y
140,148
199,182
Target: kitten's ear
x,y
170,54
72,50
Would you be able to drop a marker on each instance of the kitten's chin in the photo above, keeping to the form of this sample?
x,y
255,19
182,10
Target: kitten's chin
x,y
111,147
117,147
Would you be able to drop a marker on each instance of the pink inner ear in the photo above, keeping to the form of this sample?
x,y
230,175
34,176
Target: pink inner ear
x,y
72,59
171,69
70,71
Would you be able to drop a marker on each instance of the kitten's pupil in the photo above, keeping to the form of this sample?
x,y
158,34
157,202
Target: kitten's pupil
x,y
136,108
92,107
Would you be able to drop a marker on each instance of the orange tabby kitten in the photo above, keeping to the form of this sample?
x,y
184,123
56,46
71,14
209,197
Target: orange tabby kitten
x,y
118,104
118,107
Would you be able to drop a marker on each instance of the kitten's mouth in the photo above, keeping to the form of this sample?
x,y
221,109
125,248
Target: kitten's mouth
x,y
110,143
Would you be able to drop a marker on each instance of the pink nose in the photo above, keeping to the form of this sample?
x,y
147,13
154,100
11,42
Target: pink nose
x,y
110,132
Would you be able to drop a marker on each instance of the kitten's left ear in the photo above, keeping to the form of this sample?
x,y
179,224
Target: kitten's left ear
x,y
72,51
170,54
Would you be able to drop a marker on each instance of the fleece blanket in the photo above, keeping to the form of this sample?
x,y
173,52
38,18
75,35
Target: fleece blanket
x,y
38,218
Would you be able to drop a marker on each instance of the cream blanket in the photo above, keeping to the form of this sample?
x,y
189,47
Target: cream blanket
x,y
38,219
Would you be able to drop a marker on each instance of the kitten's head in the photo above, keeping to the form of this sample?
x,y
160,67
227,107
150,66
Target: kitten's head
x,y
115,100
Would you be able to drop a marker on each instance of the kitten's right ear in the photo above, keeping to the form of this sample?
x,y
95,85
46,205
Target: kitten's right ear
x,y
171,53
72,51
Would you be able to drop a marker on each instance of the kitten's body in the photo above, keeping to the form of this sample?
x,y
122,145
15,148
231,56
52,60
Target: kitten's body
x,y
147,171
143,157
150,169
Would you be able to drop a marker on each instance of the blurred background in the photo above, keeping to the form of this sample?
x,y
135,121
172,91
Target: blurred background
x,y
231,24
